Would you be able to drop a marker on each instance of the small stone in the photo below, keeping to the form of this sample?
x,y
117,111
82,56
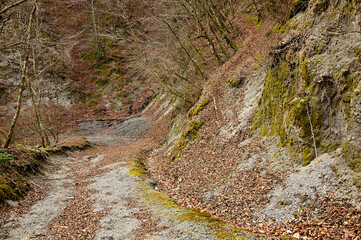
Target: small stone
x,y
12,203
297,236
27,237
108,238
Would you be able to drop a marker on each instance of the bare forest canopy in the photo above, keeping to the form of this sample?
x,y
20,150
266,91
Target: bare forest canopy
x,y
107,55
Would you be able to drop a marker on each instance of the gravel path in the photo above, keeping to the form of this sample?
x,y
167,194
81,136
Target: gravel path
x,y
93,195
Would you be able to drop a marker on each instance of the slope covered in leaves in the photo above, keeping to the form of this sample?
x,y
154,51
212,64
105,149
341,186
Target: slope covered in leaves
x,y
277,149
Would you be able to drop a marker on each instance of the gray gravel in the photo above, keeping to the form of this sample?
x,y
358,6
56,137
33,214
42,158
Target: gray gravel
x,y
35,221
114,187
108,140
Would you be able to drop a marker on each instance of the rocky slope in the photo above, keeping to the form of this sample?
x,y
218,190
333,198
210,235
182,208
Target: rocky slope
x,y
273,143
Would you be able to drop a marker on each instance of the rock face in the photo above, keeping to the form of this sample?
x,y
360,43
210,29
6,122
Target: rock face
x,y
48,86
135,127
311,99
9,78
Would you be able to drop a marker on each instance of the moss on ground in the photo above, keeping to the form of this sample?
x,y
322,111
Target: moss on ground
x,y
198,108
7,190
216,227
21,163
136,165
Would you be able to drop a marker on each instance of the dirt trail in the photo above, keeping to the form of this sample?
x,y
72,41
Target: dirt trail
x,y
93,195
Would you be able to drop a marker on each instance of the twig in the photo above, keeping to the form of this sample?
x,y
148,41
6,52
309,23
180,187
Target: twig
x,y
215,104
216,109
313,135
11,45
11,6
35,184
3,24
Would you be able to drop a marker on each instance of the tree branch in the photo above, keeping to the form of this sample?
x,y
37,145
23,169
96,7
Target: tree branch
x,y
180,42
11,6
3,24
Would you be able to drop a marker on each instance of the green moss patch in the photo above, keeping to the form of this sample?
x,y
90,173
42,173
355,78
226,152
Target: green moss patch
x,y
297,106
136,165
19,163
189,134
216,227
198,108
235,81
352,153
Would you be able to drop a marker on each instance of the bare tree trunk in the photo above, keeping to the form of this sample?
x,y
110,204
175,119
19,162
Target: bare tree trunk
x,y
36,106
23,78
94,22
42,131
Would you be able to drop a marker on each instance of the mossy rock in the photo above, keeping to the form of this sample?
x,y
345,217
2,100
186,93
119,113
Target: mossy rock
x,y
352,153
188,135
198,108
6,191
290,108
13,186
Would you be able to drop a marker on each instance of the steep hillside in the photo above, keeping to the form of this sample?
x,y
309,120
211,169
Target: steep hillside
x,y
273,143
